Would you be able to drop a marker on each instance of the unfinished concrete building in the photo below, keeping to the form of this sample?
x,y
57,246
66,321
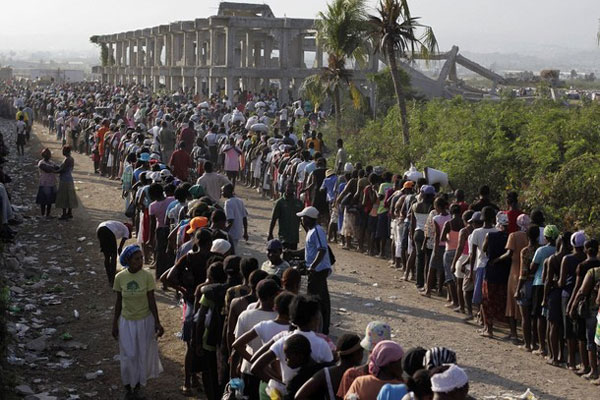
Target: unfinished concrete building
x,y
243,47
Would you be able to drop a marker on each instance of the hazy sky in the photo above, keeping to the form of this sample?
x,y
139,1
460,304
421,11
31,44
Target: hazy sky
x,y
474,25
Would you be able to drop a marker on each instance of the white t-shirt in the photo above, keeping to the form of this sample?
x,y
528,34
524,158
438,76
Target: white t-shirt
x,y
477,238
283,114
266,330
117,228
246,321
320,352
235,210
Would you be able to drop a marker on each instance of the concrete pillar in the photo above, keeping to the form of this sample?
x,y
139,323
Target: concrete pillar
x,y
268,51
284,48
319,56
257,57
189,49
132,58
177,50
188,82
118,52
158,45
248,54
110,53
229,87
212,45
230,50
168,49
284,96
141,53
155,82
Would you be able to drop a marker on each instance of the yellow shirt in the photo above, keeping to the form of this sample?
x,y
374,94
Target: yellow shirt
x,y
134,289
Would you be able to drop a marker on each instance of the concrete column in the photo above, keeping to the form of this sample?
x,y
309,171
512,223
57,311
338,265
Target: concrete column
x,y
284,96
212,45
140,53
319,56
257,57
155,82
188,82
230,50
118,53
189,49
132,58
284,48
268,51
177,50
229,87
168,49
158,45
247,55
110,53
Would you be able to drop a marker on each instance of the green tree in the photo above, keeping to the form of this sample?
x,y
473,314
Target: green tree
x,y
340,30
395,33
104,57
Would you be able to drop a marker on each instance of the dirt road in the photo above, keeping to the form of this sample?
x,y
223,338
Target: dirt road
x,y
62,259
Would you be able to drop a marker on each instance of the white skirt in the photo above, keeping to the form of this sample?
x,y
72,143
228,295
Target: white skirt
x,y
138,351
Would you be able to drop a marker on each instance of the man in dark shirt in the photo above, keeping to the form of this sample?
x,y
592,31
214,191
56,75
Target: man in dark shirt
x,y
188,136
483,200
285,211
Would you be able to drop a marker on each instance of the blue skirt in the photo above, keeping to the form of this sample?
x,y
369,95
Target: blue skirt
x,y
46,195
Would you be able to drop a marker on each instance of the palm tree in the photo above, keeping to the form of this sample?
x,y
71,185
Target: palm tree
x,y
395,33
340,31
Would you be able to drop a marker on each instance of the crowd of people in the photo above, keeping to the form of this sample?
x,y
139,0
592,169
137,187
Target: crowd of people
x,y
247,328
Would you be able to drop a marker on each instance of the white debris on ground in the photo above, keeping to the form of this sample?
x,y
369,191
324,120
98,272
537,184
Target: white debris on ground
x,y
40,340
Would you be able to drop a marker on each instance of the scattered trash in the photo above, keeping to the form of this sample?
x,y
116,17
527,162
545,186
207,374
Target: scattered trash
x,y
66,336
81,239
24,390
76,314
376,285
368,304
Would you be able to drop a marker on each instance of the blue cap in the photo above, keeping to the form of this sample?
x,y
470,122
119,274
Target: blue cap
x,y
145,157
274,244
427,189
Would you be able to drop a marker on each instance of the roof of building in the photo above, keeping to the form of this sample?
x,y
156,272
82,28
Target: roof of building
x,y
245,10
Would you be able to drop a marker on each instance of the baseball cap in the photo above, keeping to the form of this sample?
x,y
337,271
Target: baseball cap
x,y
310,212
145,157
551,231
274,244
196,223
220,246
476,217
408,185
578,239
427,189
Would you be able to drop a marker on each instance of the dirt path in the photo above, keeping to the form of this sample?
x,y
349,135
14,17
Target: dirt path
x,y
60,263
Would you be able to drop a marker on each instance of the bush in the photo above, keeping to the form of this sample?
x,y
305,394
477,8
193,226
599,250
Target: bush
x,y
508,145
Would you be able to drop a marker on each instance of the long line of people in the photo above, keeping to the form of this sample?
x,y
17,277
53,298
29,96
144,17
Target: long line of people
x,y
242,321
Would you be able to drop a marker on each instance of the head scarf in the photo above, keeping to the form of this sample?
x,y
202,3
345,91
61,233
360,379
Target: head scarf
x,y
127,253
523,222
451,379
437,356
384,353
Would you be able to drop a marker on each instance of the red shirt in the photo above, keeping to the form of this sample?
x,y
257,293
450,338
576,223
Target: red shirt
x,y
512,220
188,136
181,162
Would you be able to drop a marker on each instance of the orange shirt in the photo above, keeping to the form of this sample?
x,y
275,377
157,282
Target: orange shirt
x,y
100,139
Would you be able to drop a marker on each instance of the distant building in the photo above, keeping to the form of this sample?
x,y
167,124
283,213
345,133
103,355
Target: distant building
x,y
58,75
6,74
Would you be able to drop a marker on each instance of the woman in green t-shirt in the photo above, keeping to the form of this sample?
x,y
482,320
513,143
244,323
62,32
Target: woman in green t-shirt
x,y
136,324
